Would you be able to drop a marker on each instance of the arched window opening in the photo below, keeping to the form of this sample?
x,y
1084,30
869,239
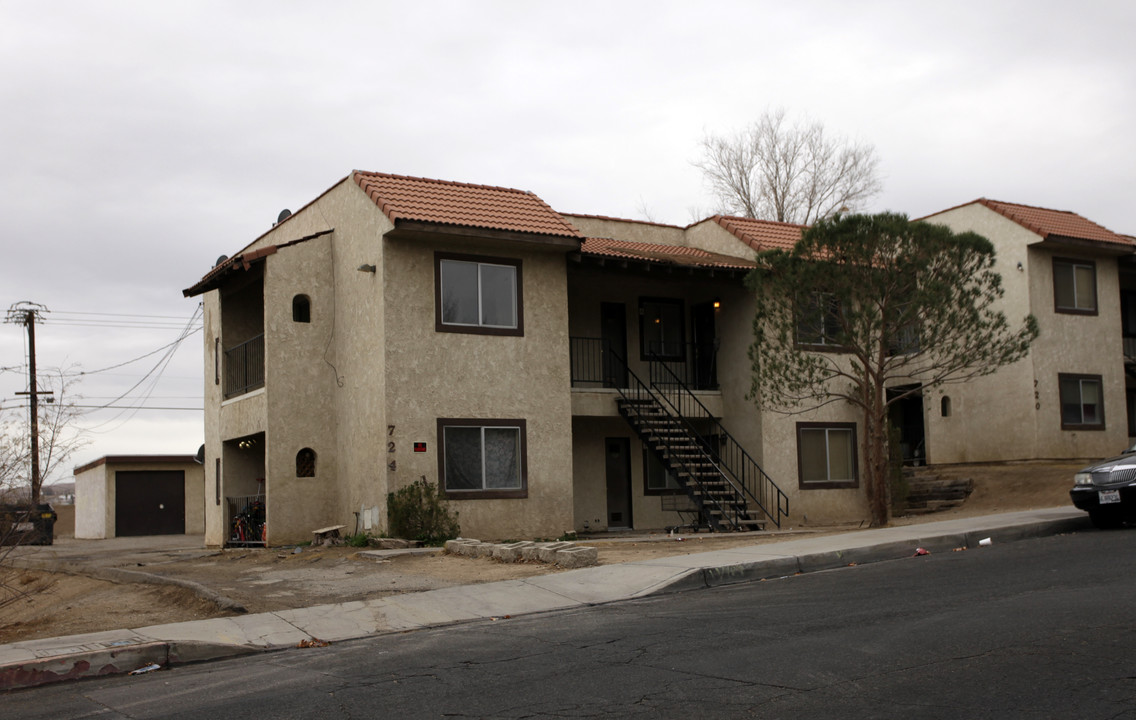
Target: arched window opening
x,y
306,463
301,309
945,406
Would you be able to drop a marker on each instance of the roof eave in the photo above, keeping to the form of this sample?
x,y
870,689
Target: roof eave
x,y
1097,246
418,228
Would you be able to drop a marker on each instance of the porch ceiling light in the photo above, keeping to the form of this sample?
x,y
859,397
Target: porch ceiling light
x,y
717,303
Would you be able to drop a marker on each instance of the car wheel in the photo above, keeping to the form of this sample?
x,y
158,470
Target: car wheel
x,y
1104,519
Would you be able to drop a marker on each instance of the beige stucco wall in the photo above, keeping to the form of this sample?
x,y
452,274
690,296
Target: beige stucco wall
x,y
1015,413
92,517
628,230
432,375
710,236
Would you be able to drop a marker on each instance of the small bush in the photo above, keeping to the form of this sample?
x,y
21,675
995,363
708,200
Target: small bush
x,y
419,512
359,540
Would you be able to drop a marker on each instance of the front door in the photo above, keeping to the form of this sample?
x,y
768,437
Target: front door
x,y
617,453
613,330
705,371
906,417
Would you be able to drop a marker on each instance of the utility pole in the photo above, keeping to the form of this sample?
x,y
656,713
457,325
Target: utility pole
x,y
25,313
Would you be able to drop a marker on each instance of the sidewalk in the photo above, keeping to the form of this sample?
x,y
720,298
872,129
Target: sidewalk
x,y
37,662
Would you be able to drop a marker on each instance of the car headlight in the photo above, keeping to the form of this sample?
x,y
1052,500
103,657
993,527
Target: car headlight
x,y
1083,478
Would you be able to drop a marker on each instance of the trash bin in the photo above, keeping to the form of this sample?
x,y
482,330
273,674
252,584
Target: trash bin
x,y
27,524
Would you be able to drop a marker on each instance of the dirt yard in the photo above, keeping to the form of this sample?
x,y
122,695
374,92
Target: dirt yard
x,y
89,590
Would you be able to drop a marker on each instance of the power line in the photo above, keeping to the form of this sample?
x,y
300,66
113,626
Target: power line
x,y
142,357
129,315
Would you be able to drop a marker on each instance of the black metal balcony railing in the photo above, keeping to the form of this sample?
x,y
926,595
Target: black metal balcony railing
x,y
244,367
594,365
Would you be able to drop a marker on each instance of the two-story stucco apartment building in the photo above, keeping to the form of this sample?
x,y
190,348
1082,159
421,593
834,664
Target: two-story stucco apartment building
x,y
555,372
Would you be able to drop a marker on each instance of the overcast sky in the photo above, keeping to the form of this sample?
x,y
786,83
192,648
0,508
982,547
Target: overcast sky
x,y
141,140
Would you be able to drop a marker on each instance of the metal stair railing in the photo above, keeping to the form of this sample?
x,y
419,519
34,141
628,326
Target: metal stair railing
x,y
639,396
756,484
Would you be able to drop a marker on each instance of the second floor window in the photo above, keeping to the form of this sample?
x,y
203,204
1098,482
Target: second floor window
x,y
1075,286
818,320
478,295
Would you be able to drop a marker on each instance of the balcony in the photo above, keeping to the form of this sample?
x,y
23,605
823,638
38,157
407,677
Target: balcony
x,y
244,367
594,366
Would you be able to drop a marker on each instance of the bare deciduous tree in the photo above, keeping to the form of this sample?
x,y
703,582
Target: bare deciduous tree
x,y
59,439
795,173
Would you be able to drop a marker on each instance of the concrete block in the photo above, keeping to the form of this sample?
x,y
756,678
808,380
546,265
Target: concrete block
x,y
462,546
510,552
532,551
390,543
548,552
577,557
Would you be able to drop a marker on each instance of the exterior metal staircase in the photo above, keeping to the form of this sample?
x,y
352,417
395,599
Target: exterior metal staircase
x,y
727,489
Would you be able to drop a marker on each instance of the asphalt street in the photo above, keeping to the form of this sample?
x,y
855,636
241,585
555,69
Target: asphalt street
x,y
1039,628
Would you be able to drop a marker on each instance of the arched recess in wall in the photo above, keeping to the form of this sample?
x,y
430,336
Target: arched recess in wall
x,y
306,463
945,406
301,309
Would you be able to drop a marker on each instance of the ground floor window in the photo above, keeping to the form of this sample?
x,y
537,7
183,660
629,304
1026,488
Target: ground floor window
x,y
482,458
826,455
657,479
1082,402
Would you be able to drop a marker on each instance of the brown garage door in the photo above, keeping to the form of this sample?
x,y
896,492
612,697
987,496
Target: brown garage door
x,y
149,502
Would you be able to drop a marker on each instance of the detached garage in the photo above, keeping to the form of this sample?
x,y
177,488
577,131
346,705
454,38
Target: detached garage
x,y
125,495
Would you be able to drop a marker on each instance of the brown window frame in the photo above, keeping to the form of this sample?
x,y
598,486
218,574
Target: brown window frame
x,y
440,326
1061,377
827,484
647,489
835,312
1073,262
521,492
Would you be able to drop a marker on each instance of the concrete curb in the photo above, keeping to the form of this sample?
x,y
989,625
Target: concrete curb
x,y
778,566
38,662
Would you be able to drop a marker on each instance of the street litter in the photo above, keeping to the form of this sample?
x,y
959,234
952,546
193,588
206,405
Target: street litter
x,y
312,642
985,541
146,669
960,549
921,551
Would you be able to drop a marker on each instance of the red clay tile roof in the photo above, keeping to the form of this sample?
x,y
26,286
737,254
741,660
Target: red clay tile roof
x,y
668,254
1048,223
1060,223
451,203
762,234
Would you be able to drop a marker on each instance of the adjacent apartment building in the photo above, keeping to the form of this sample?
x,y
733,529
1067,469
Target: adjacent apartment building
x,y
555,372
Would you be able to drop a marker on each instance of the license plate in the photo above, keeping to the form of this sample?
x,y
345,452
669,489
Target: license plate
x,y
1108,496
24,527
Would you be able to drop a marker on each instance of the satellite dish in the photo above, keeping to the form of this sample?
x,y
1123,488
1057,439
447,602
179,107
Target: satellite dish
x,y
284,215
199,458
220,260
